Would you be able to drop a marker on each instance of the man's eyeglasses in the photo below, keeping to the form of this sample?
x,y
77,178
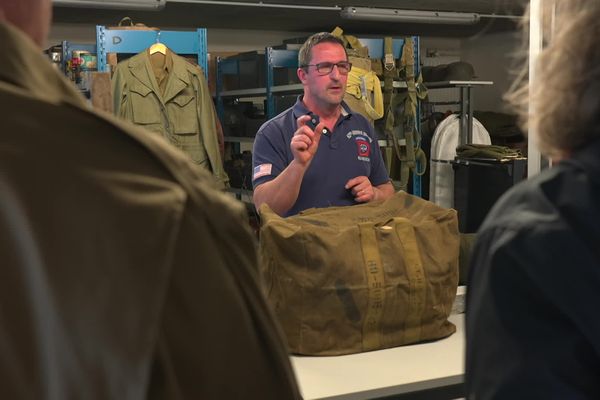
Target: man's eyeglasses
x,y
325,68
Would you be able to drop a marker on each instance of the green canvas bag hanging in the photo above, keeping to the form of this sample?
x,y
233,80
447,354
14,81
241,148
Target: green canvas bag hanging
x,y
344,280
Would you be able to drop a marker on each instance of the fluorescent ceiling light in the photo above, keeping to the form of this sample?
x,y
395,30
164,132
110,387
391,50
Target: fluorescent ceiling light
x,y
123,4
259,4
410,16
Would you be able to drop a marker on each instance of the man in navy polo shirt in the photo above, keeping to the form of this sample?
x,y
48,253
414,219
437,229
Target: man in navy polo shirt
x,y
336,164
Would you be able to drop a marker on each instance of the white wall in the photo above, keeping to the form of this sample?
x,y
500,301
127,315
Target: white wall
x,y
439,51
222,39
489,54
218,39
439,43
492,58
246,40
77,33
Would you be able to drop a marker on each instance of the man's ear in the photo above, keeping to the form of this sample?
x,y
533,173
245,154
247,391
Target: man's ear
x,y
301,74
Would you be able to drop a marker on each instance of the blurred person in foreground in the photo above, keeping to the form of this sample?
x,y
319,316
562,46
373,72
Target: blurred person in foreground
x,y
533,327
123,273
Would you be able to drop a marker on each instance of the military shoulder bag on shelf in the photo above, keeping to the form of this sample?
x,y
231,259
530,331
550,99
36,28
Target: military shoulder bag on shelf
x,y
351,279
363,89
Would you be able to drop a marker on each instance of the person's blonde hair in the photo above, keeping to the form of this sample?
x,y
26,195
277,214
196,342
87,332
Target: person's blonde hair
x,y
563,107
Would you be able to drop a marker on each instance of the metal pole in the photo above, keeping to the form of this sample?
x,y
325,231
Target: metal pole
x,y
469,90
464,109
534,158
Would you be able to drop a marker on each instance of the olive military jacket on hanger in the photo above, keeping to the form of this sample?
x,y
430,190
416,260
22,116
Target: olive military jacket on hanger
x,y
183,113
123,274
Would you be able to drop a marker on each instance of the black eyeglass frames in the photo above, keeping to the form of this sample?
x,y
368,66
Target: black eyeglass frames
x,y
325,68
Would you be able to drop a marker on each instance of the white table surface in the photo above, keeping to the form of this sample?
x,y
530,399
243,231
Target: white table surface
x,y
386,372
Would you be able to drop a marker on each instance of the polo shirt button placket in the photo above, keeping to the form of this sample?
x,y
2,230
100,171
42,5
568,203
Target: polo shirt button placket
x,y
333,142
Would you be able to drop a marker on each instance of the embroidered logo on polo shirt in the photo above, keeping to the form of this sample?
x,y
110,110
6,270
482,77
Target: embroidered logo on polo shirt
x,y
363,144
364,149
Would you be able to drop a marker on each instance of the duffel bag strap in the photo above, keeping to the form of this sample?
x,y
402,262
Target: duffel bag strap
x,y
415,273
371,336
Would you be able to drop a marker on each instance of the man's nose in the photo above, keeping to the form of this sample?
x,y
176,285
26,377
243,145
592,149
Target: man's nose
x,y
335,73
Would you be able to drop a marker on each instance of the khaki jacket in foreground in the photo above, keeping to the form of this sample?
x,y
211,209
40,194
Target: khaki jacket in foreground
x,y
123,274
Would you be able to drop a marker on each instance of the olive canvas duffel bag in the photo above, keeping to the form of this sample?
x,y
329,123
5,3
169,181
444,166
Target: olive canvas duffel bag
x,y
344,280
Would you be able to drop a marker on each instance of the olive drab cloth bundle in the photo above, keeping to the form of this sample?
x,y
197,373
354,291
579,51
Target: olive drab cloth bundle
x,y
358,278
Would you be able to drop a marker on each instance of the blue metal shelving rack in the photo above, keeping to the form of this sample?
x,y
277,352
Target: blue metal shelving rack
x,y
134,41
275,58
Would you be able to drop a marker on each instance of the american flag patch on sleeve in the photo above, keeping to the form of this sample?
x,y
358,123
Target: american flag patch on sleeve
x,y
261,170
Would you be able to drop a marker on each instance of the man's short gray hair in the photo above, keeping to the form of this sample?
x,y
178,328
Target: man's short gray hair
x,y
305,55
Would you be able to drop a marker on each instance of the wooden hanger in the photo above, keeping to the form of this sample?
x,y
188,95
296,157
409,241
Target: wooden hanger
x,y
158,48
